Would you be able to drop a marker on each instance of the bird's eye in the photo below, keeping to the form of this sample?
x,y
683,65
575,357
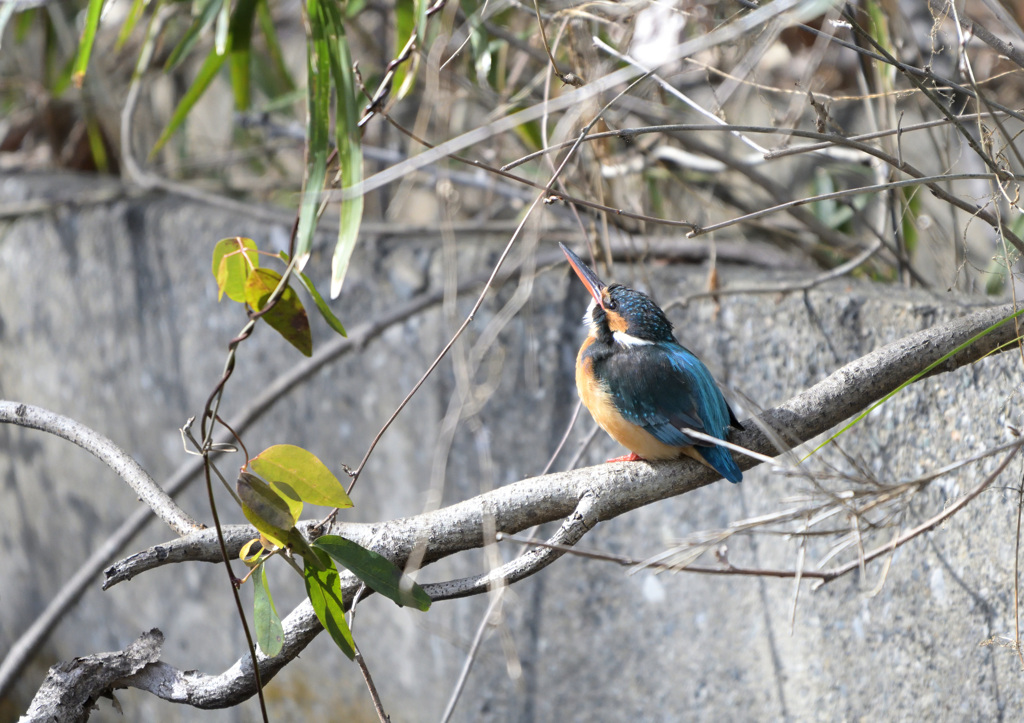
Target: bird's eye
x,y
611,305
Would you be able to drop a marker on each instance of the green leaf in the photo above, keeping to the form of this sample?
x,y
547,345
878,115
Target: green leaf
x,y
269,631
241,41
293,471
378,572
321,303
324,590
129,23
405,26
208,10
348,138
233,258
92,23
288,317
211,66
318,122
266,509
274,52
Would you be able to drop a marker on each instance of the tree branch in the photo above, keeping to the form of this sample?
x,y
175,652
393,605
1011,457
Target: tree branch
x,y
593,494
106,451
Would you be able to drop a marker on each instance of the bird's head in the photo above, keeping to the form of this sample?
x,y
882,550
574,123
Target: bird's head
x,y
618,313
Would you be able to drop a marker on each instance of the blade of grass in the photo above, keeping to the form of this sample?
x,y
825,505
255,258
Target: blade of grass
x,y
181,51
211,66
92,23
130,22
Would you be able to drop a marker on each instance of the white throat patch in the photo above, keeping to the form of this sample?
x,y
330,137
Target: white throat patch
x,y
625,339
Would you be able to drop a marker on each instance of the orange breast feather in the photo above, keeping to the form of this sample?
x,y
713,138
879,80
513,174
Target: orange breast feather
x,y
598,400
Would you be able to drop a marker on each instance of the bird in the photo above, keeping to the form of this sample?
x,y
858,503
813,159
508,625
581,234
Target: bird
x,y
641,385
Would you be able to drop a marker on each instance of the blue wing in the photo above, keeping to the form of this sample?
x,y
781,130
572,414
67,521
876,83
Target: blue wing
x,y
674,391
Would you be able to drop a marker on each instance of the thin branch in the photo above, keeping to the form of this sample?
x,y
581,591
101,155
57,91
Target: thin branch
x,y
845,193
926,526
632,562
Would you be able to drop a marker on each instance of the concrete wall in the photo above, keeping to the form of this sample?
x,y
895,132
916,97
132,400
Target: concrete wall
x,y
108,314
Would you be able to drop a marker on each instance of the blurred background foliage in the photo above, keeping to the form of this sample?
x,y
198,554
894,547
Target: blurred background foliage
x,y
234,98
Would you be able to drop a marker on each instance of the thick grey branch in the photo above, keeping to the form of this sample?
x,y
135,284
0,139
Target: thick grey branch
x,y
596,493
71,689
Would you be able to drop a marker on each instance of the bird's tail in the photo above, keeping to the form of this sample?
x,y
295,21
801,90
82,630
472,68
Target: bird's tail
x,y
722,462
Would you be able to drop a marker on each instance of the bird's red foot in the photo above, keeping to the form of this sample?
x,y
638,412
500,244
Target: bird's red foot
x,y
631,457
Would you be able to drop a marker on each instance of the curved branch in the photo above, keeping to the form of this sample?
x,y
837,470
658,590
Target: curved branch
x,y
595,493
25,415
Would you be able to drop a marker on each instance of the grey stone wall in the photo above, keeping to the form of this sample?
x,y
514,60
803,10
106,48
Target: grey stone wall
x,y
108,314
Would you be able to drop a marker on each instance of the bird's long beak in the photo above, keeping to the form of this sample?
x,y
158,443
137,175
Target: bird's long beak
x,y
589,278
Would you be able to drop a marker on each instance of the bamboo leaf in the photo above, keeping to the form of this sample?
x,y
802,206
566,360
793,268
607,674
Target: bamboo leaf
x,y
348,139
220,33
274,47
321,304
129,23
242,20
318,121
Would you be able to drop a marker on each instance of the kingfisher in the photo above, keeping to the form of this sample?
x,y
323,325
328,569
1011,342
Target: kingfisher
x,y
641,385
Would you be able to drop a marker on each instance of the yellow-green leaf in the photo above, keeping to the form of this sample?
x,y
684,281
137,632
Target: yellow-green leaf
x,y
324,590
293,471
288,316
253,558
233,259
